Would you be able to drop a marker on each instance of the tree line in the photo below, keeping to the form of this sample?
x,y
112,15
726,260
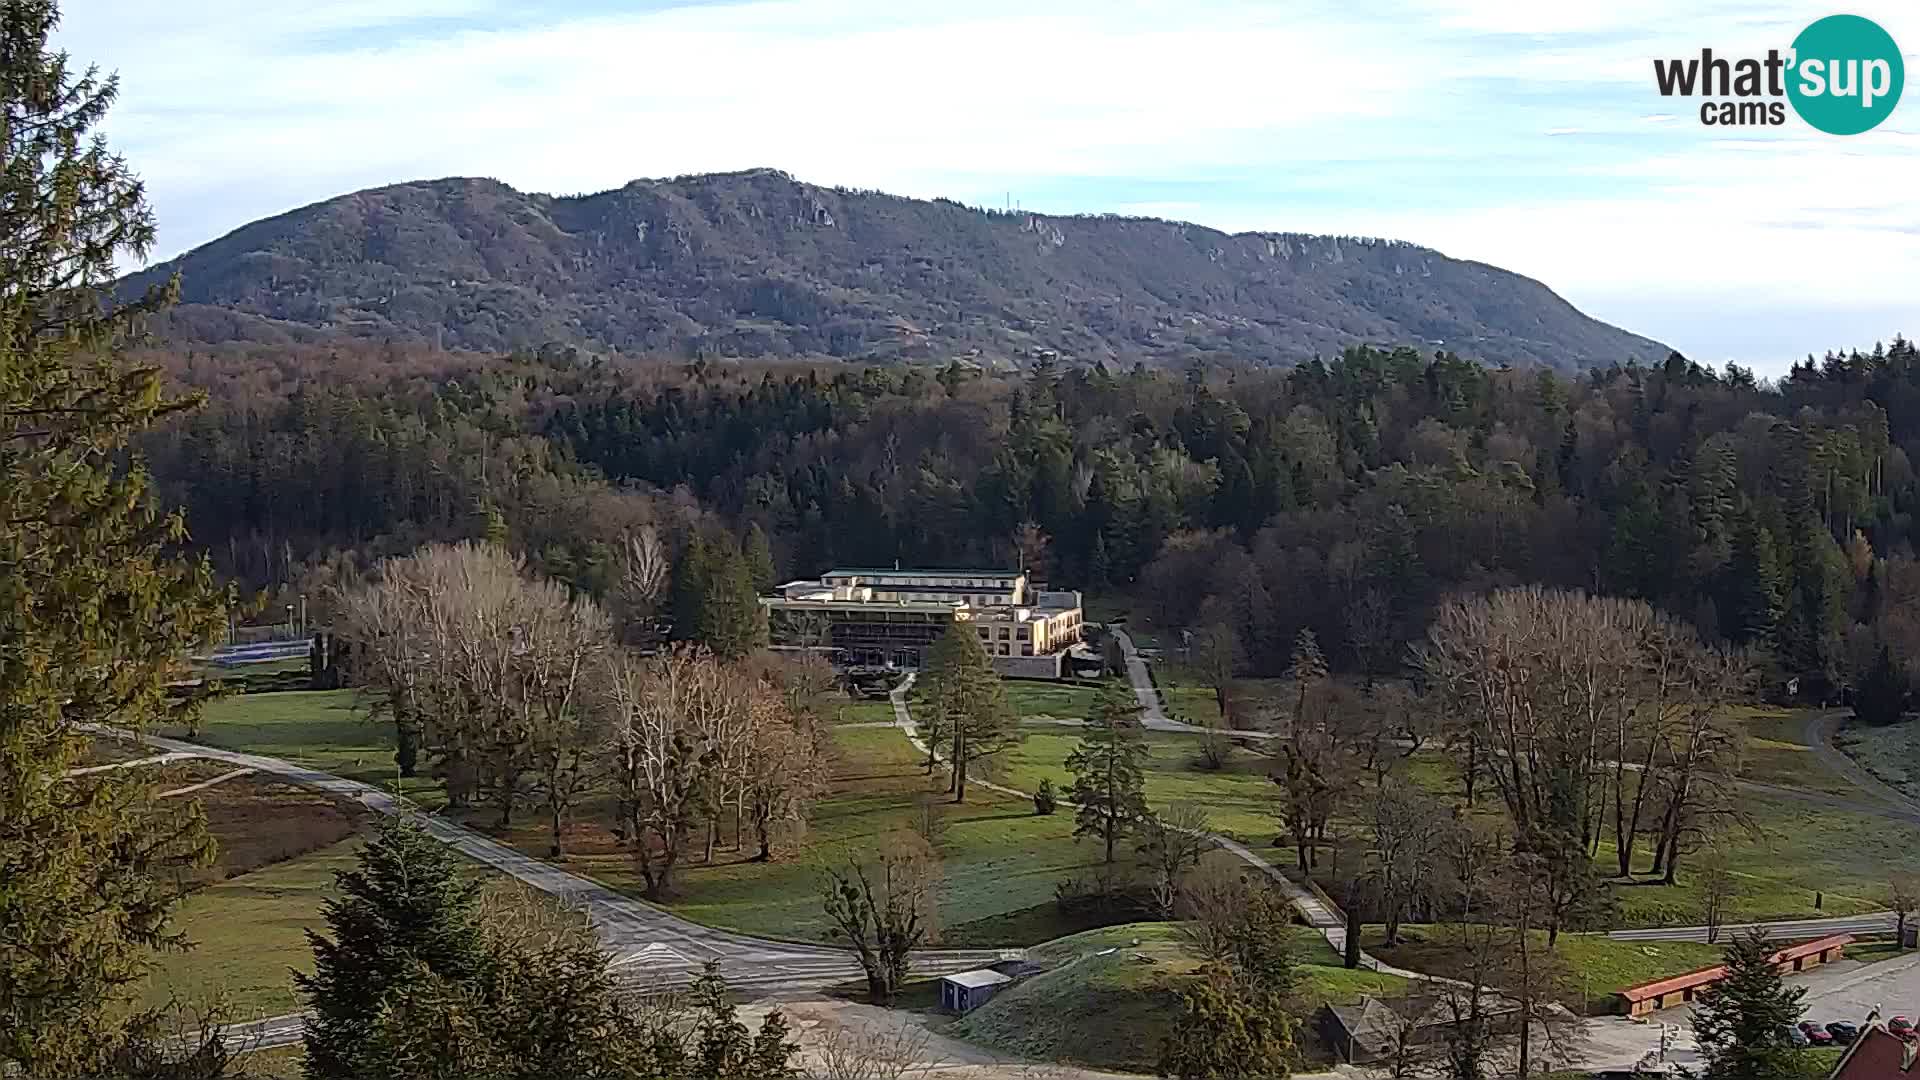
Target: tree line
x,y
514,693
1348,496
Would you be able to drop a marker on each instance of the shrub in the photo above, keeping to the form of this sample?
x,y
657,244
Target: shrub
x,y
1044,800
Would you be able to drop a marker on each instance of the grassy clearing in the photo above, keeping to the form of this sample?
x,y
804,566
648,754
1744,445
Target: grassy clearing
x,y
857,712
323,729
1597,965
1777,752
1801,850
1033,700
997,857
247,933
1112,1011
1890,753
1239,798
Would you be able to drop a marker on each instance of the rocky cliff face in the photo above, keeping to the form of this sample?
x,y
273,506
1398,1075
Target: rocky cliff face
x,y
758,264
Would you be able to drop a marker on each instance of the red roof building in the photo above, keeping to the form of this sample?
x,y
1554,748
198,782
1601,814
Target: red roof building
x,y
1879,1055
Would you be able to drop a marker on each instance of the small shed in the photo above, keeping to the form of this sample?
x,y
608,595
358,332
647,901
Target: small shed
x,y
969,990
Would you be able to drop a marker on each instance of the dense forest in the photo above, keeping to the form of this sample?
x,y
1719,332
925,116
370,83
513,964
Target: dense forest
x,y
1348,497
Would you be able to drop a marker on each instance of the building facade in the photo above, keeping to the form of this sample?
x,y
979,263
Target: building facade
x,y
867,618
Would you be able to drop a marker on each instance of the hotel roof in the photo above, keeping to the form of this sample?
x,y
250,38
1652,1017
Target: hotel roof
x,y
921,571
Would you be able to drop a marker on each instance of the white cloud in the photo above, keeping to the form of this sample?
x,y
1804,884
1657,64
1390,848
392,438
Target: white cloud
x,y
1427,120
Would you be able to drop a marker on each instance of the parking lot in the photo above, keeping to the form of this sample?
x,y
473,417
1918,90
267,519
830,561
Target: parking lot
x,y
1847,990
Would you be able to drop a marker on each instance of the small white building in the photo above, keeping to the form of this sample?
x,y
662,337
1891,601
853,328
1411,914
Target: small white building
x,y
970,989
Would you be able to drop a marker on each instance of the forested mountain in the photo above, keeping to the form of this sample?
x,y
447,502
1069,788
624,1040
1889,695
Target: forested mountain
x,y
757,264
1347,497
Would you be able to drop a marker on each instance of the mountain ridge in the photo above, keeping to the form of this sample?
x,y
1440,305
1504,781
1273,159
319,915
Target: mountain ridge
x,y
756,263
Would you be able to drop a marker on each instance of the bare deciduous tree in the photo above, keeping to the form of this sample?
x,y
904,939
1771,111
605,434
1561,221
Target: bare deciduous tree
x,y
1564,694
872,1052
884,907
1170,845
1717,889
1408,830
1903,896
639,594
662,768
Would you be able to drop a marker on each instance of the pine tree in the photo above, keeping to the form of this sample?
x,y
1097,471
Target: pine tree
x,y
407,912
732,621
1885,693
96,615
1308,668
968,701
1227,1030
688,597
1109,769
1741,1021
759,554
1753,590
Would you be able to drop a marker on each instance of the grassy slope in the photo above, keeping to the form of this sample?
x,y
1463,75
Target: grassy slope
x,y
1112,1011
247,932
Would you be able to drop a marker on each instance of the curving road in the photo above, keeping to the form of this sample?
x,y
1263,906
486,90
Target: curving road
x,y
648,946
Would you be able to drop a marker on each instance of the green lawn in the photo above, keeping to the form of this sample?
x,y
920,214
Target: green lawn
x,y
1239,798
857,712
999,861
324,729
1112,1011
1597,965
247,933
1777,753
1035,700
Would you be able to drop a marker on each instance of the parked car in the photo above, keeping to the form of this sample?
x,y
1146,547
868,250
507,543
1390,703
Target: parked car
x,y
1797,1037
1843,1032
1816,1035
1901,1026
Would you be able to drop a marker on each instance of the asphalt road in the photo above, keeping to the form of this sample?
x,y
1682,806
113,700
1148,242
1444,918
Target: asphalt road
x,y
648,946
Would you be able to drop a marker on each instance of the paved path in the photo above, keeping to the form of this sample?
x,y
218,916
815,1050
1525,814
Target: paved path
x,y
156,759
1881,797
204,784
1314,911
1153,716
648,945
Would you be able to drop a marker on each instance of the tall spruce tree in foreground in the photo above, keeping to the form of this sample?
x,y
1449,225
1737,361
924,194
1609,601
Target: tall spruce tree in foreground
x,y
1109,769
96,617
406,914
423,978
1741,1020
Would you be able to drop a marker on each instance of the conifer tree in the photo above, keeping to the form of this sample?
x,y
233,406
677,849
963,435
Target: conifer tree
x,y
96,614
1741,1021
732,621
1884,693
407,913
968,701
1227,1030
759,555
1109,769
687,599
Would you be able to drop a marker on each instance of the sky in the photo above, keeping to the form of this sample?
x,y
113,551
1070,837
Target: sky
x,y
1523,133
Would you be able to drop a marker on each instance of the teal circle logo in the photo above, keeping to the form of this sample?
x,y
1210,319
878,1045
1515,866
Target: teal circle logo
x,y
1846,75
